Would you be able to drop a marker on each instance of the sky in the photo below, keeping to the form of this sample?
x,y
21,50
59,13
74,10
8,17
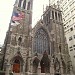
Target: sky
x,y
38,6
6,8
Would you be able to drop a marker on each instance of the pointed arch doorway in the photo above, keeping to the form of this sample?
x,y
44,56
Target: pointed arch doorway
x,y
16,66
17,63
45,63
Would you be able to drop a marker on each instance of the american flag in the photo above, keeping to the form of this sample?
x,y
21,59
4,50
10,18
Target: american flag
x,y
14,23
17,16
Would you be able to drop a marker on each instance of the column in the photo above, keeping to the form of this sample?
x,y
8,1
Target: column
x,y
7,68
39,69
52,67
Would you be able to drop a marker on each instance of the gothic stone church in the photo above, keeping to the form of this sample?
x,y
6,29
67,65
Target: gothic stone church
x,y
38,51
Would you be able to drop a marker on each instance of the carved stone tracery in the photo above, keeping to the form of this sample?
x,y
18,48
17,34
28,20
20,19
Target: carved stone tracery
x,y
41,41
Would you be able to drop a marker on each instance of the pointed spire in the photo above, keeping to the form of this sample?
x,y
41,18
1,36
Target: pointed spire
x,y
43,8
49,2
16,3
58,4
45,53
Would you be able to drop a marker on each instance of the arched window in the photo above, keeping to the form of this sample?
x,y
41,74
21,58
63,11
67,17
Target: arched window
x,y
41,41
35,64
19,4
24,4
53,14
19,40
28,6
13,40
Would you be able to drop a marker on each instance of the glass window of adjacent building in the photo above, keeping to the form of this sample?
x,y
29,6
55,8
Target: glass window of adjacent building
x,y
73,19
64,27
73,45
74,36
71,28
70,38
74,48
71,49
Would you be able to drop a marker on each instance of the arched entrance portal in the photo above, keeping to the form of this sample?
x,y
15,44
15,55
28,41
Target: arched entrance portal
x,y
17,63
45,63
16,66
35,64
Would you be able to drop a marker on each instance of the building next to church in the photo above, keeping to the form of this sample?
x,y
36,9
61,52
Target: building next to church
x,y
40,51
68,16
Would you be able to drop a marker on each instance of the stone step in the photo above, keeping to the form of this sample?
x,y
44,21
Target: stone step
x,y
17,74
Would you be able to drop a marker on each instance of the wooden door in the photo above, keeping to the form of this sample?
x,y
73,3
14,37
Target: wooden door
x,y
16,68
42,69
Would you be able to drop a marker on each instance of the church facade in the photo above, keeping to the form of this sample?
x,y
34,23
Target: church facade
x,y
49,48
38,51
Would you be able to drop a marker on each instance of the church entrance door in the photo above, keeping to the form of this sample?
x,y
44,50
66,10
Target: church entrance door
x,y
57,74
16,66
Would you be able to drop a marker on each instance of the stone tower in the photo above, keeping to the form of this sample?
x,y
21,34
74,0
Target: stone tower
x,y
17,41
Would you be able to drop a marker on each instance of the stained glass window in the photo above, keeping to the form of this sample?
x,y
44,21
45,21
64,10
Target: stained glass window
x,y
41,41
